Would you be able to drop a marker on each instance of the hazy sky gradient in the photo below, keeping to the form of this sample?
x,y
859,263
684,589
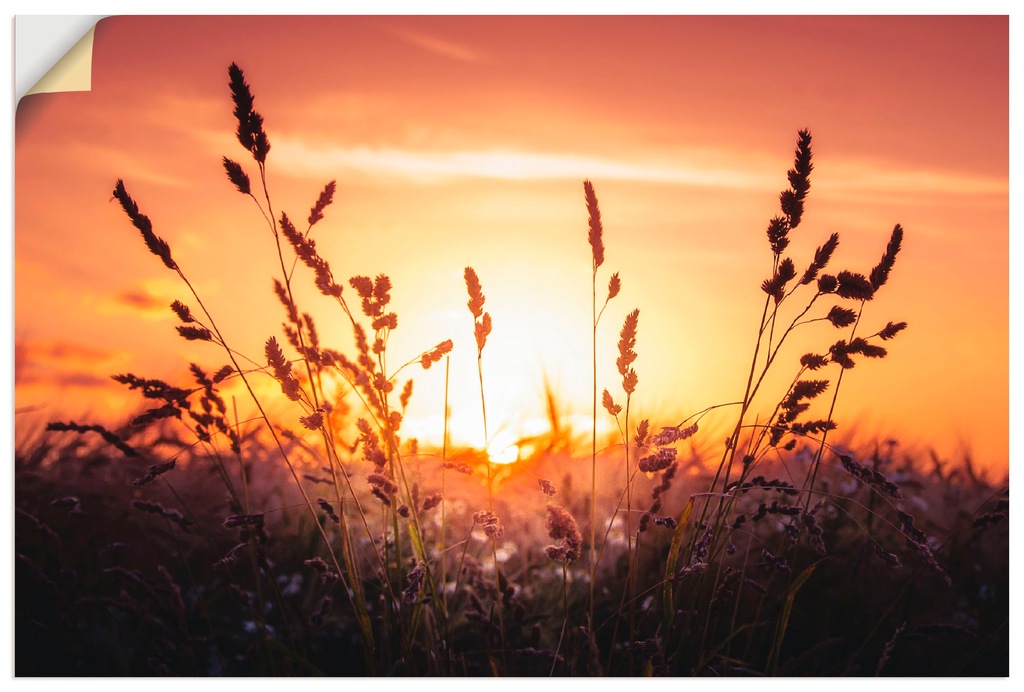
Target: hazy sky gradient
x,y
462,140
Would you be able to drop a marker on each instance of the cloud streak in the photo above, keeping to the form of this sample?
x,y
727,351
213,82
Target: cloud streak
x,y
151,299
500,164
844,179
63,351
433,44
61,363
868,177
140,300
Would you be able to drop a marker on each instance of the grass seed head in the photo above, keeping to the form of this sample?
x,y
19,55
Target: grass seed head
x,y
596,230
250,131
880,273
156,245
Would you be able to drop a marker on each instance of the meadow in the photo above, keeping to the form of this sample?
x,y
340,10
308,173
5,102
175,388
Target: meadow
x,y
212,537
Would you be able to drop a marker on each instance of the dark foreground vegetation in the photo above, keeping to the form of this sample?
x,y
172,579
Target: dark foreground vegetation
x,y
113,579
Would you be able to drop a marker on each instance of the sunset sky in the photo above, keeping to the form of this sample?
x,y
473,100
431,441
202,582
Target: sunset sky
x,y
460,141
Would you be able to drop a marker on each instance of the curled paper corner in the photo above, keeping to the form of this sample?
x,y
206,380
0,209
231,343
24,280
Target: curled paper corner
x,y
73,72
43,37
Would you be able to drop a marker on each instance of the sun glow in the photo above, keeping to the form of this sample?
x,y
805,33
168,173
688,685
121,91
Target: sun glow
x,y
503,448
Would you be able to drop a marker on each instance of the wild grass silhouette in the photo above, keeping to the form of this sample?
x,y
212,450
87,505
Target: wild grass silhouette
x,y
187,543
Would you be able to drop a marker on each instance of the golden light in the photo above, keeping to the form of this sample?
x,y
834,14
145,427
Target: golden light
x,y
503,448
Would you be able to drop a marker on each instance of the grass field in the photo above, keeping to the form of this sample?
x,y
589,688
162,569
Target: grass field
x,y
311,536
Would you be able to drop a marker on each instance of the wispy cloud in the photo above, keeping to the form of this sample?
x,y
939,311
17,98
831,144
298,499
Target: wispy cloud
x,y
61,363
79,354
433,44
844,179
141,300
150,300
503,164
115,160
59,379
86,380
859,177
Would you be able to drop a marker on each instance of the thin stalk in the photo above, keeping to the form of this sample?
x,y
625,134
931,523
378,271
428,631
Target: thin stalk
x,y
813,473
241,464
593,457
730,450
565,619
630,574
444,526
490,500
487,439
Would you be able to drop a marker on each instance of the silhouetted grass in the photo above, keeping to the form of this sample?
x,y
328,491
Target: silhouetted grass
x,y
194,543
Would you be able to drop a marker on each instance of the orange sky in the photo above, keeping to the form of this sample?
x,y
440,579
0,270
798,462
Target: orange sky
x,y
464,141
